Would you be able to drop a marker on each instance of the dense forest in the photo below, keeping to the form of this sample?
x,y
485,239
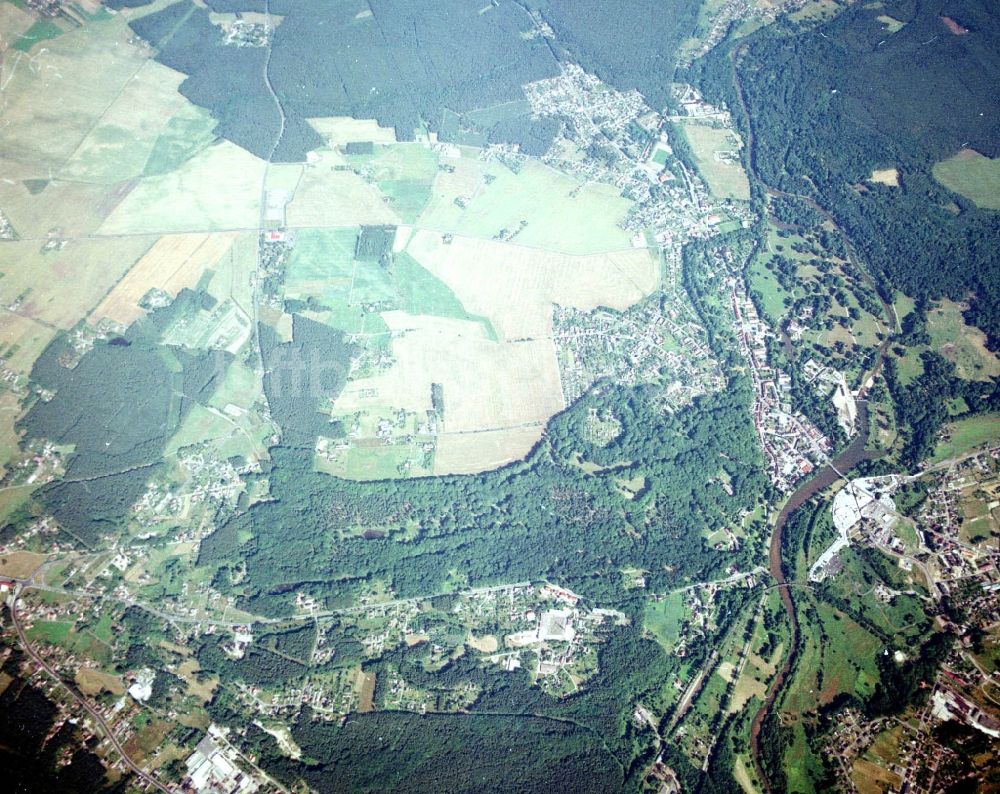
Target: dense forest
x,y
543,518
423,66
116,408
829,105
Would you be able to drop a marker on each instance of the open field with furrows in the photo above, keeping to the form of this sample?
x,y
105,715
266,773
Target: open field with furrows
x,y
523,283
552,210
488,385
217,189
717,151
55,94
468,453
972,175
173,263
37,206
340,130
329,197
119,145
62,286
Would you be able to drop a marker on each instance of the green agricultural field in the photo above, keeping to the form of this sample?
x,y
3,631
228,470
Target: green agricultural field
x,y
189,131
967,434
42,30
726,178
892,25
199,426
972,175
424,293
404,172
552,210
663,619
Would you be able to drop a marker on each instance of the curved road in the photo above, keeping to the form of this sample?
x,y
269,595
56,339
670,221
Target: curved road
x,y
95,715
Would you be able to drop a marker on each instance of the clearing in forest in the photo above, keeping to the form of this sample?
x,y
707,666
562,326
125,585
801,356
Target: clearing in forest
x,y
972,175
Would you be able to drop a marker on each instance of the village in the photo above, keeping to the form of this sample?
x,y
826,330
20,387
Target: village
x,y
655,342
793,446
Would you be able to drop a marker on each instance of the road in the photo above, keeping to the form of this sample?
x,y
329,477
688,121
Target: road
x,y
94,714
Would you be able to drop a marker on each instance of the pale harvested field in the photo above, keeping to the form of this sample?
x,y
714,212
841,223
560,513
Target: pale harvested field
x,y
469,453
13,22
118,146
326,197
28,336
174,262
67,209
515,286
485,644
20,564
340,130
53,96
93,682
63,287
745,689
234,271
188,670
547,208
10,410
487,385
218,188
886,176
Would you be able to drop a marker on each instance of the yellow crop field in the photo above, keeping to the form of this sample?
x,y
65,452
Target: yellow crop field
x,y
469,453
174,262
22,340
523,283
93,682
886,176
217,189
20,564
